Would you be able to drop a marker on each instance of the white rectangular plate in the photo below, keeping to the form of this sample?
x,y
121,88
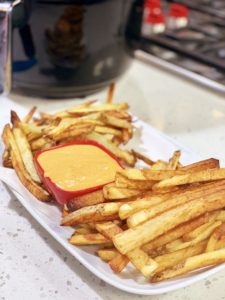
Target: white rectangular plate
x,y
157,146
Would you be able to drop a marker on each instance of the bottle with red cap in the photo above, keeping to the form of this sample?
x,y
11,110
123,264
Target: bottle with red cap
x,y
154,19
178,16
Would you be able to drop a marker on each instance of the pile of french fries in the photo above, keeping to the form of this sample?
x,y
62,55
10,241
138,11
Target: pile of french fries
x,y
108,124
166,220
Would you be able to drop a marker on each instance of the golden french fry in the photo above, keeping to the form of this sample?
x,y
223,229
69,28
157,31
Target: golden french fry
x,y
217,239
174,160
124,155
89,199
110,93
160,165
169,260
108,130
41,143
142,234
118,263
98,108
25,153
94,213
115,121
22,173
83,230
124,182
191,235
177,198
144,158
174,233
190,264
30,114
138,257
201,176
89,239
201,237
107,254
111,192
210,163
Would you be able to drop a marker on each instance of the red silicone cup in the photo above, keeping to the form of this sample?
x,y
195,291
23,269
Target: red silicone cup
x,y
62,196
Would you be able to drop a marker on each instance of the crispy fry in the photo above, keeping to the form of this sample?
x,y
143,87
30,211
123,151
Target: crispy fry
x,y
174,160
18,165
210,163
89,239
112,192
191,263
144,158
30,114
116,121
86,200
124,182
107,254
142,234
201,176
217,239
169,260
138,257
201,237
191,235
124,155
175,199
110,93
25,153
118,263
94,213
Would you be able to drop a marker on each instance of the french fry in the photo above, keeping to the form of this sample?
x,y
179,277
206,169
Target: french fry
x,y
111,192
118,263
107,254
94,213
190,264
146,200
174,160
177,198
142,157
124,182
169,260
142,234
97,108
108,130
217,239
26,154
174,233
115,121
206,164
160,165
89,199
22,173
110,93
201,237
74,132
89,239
41,143
124,155
137,257
30,114
191,235
201,176
83,230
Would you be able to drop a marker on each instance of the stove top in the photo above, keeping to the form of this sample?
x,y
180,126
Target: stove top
x,y
195,49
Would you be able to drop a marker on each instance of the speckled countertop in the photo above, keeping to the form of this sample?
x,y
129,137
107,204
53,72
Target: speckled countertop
x,y
33,265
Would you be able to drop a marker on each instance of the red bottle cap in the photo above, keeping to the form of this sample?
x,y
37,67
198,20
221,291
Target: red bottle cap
x,y
156,18
178,11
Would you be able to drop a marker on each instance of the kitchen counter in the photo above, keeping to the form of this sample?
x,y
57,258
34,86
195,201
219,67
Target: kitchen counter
x,y
33,265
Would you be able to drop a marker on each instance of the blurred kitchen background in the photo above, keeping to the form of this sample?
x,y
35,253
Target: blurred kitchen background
x,y
186,37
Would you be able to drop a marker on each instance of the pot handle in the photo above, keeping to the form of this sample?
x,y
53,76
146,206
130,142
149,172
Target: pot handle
x,y
6,9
